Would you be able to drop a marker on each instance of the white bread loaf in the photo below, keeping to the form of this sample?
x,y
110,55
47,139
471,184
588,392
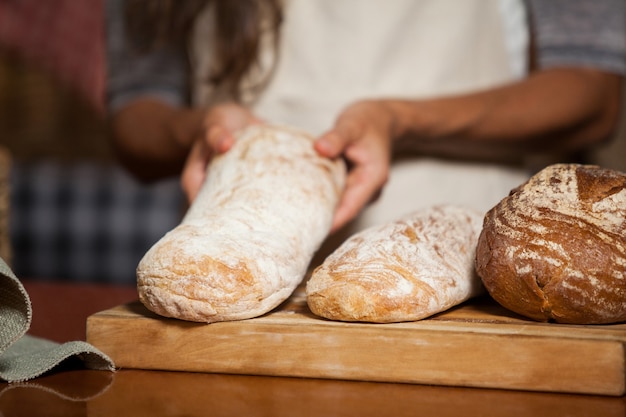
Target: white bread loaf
x,y
400,271
247,239
555,248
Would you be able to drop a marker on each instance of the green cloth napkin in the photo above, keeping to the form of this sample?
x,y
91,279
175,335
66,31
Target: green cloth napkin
x,y
24,357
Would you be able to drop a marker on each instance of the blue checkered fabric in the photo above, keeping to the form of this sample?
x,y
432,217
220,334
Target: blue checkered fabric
x,y
86,222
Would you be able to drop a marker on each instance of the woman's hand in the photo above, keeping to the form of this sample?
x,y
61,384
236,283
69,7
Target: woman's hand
x,y
362,135
559,109
220,123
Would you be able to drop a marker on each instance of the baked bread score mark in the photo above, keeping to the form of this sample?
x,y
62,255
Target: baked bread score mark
x,y
406,270
555,248
247,240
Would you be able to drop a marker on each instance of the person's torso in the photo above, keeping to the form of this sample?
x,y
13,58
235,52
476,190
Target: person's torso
x,y
333,52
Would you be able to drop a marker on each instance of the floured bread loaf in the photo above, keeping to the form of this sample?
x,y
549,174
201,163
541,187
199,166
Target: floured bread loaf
x,y
400,271
555,248
246,241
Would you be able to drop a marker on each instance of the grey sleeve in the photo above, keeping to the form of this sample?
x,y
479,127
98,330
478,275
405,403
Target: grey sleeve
x,y
161,73
588,33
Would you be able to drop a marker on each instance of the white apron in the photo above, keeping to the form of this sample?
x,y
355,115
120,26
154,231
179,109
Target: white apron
x,y
334,52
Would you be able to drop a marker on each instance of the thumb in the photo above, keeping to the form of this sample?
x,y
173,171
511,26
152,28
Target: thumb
x,y
333,143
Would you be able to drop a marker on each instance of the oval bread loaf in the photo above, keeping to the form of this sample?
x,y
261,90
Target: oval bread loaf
x,y
400,271
247,239
555,248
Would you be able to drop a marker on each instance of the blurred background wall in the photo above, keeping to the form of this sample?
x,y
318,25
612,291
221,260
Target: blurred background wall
x,y
73,213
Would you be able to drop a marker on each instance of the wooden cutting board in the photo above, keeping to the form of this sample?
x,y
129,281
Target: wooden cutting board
x,y
477,344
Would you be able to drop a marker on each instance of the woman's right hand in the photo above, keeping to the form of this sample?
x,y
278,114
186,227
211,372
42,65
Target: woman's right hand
x,y
220,124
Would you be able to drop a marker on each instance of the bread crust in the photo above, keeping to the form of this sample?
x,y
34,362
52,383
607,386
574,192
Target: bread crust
x,y
400,271
555,248
246,241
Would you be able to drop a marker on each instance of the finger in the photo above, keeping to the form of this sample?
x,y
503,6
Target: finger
x,y
359,192
194,171
219,138
223,121
334,142
329,145
349,207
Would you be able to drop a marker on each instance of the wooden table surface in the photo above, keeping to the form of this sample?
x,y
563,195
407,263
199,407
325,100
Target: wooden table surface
x,y
60,312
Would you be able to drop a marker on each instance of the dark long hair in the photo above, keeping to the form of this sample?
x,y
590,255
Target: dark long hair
x,y
239,25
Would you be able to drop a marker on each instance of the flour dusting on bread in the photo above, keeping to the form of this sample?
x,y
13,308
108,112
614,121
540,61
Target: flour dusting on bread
x,y
247,240
555,248
400,271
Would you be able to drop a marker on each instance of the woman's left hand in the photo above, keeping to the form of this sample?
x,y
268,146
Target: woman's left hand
x,y
362,135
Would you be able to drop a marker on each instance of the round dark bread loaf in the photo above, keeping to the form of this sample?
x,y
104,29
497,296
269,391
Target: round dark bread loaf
x,y
555,248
